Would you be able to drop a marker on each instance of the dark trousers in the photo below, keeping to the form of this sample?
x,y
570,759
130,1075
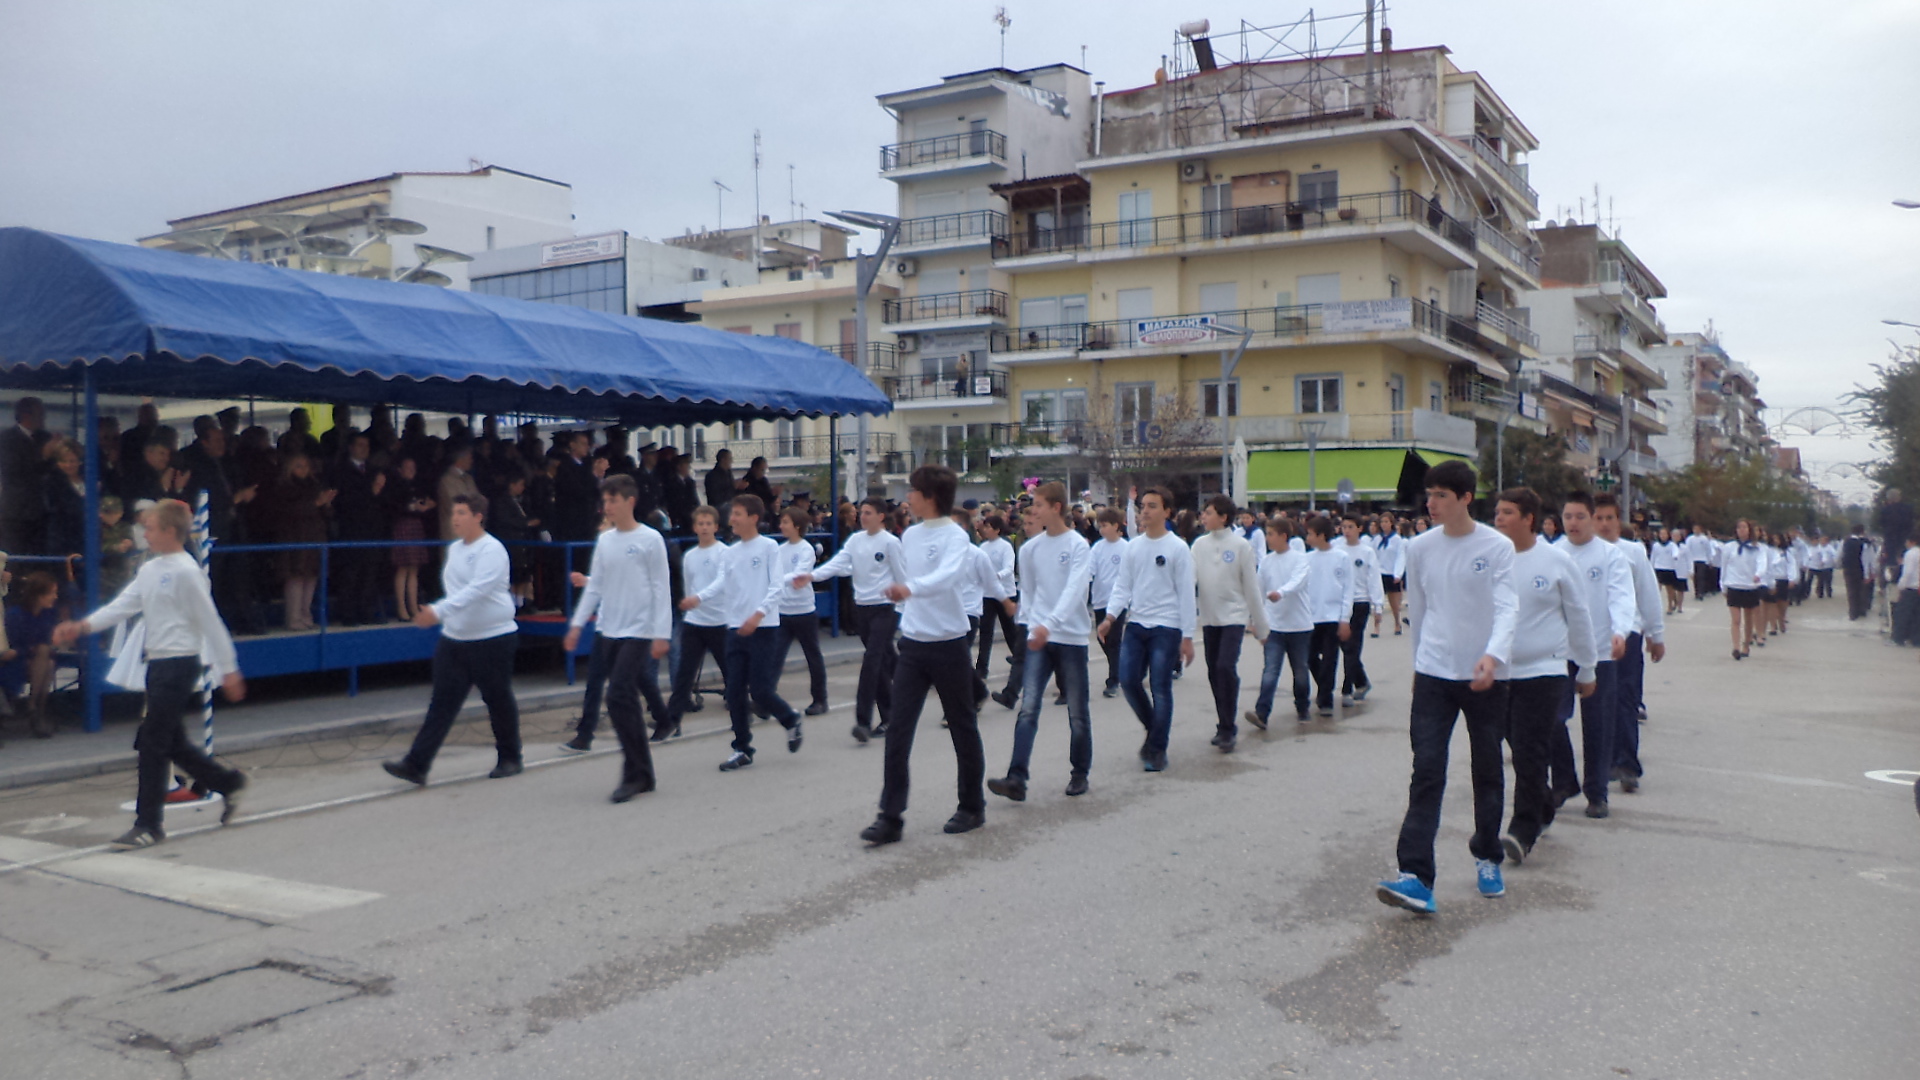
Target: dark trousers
x,y
458,667
1354,674
1629,683
1111,646
599,669
805,631
1071,662
1533,716
876,624
1437,703
1289,649
1700,580
630,672
1859,594
1323,659
1222,645
172,686
979,680
991,613
1155,650
1597,723
696,644
943,667
1906,617
1822,584
753,674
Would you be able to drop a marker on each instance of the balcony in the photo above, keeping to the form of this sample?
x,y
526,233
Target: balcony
x,y
973,307
1417,322
1616,284
1411,426
1515,176
974,149
1423,228
804,449
882,357
979,388
1506,324
1624,354
1646,416
949,232
1519,257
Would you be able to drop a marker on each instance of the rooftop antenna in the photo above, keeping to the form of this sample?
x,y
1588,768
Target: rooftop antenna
x,y
720,206
790,203
756,201
1000,16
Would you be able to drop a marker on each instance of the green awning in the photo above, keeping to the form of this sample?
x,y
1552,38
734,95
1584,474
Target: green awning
x,y
1435,457
1375,472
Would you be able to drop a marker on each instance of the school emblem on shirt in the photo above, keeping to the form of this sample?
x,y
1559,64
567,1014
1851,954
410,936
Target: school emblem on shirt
x,y
754,562
633,549
1540,582
1064,556
1359,564
1226,556
1480,566
1115,560
166,580
933,551
879,556
1593,574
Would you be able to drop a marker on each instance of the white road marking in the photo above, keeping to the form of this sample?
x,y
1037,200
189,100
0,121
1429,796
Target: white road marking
x,y
1903,777
228,892
1796,781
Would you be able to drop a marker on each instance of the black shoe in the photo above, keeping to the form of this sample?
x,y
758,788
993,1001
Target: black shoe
x,y
1596,809
816,708
135,838
862,733
1061,700
739,759
880,730
506,769
1226,744
629,789
1559,797
579,744
793,738
1217,737
1301,717
964,821
1005,699
1110,690
1009,788
1077,785
1629,783
230,799
1516,854
761,714
884,830
400,770
1146,748
663,732
1155,762
1255,719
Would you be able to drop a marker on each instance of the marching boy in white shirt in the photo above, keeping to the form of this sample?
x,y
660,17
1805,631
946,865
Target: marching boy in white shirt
x,y
1283,588
748,590
1053,604
871,557
171,591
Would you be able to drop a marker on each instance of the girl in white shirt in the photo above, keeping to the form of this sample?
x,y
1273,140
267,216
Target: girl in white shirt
x,y
798,619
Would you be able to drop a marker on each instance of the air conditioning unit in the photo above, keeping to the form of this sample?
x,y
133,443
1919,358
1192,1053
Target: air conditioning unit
x,y
1193,171
909,343
906,267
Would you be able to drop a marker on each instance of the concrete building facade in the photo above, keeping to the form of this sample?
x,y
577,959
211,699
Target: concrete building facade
x,y
1712,403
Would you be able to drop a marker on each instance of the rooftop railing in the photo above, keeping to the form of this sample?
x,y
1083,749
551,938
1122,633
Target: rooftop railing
x,y
1279,218
1514,175
972,144
939,306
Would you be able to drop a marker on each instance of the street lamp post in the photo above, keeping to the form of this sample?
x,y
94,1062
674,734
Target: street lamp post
x,y
1312,429
1229,362
865,269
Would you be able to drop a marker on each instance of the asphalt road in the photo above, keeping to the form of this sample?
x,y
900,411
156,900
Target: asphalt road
x,y
1751,913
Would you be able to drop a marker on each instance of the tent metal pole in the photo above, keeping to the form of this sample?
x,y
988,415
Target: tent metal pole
x,y
833,504
96,660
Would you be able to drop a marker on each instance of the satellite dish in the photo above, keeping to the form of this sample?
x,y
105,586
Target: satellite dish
x,y
420,275
327,245
394,226
430,254
207,240
287,225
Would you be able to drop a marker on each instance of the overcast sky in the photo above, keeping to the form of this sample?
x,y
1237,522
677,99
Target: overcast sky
x,y
1749,152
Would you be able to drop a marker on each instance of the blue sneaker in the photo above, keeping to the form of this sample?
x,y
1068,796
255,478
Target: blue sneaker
x,y
1491,884
1406,891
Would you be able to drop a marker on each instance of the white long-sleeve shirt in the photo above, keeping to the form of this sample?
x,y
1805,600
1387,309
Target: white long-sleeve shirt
x,y
1699,548
1329,583
1662,555
937,561
699,568
1053,577
1285,572
749,583
1367,587
1226,575
1741,565
1909,570
1649,616
1786,566
628,586
478,601
872,560
1390,551
999,555
1155,583
796,557
1553,626
1257,540
172,592
1461,601
1103,562
1609,584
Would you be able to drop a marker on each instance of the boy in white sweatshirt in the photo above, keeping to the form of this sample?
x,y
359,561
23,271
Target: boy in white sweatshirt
x,y
1226,577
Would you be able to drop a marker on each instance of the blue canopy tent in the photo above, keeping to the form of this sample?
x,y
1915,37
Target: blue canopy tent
x,y
97,317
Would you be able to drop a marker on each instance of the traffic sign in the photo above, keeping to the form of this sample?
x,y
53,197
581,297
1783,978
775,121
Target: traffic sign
x,y
1344,491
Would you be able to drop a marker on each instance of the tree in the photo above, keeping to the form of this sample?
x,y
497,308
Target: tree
x,y
1174,449
1535,461
1891,409
1717,494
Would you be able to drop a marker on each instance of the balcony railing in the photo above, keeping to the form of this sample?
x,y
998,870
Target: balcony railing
x,y
1505,323
1205,225
979,384
1043,434
939,306
803,447
1296,320
1492,239
973,144
1407,425
881,356
1514,175
982,226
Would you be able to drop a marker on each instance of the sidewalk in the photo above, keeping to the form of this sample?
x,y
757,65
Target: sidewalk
x,y
73,753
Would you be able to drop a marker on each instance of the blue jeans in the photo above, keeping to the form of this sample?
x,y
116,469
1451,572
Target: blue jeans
x,y
1071,662
1629,685
1152,649
1437,703
753,671
1281,650
1597,722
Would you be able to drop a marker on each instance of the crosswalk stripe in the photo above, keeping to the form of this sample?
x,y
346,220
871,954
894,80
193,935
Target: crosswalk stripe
x,y
229,892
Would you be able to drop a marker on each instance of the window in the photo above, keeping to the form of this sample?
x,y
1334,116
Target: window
x,y
786,439
1318,288
743,429
1436,397
1213,402
788,330
697,443
1393,287
1053,406
1216,206
1319,393
826,271
1133,407
795,274
1320,190
1219,298
1054,310
699,273
489,238
1136,208
1134,303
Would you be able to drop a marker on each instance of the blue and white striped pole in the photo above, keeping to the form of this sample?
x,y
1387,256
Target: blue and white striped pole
x,y
202,533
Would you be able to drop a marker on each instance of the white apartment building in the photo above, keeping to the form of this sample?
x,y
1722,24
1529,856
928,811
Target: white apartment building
x,y
1712,403
611,272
